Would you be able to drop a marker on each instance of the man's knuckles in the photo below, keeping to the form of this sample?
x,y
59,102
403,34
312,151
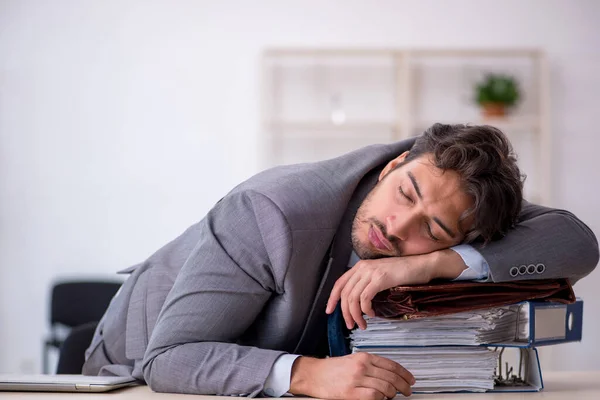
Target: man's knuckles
x,y
364,358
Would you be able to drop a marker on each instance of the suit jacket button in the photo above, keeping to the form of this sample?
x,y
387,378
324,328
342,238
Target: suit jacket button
x,y
530,269
514,271
523,269
540,268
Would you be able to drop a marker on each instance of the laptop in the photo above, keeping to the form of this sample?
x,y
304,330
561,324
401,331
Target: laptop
x,y
63,383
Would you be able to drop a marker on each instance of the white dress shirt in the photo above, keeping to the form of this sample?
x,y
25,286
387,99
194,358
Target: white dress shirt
x,y
278,381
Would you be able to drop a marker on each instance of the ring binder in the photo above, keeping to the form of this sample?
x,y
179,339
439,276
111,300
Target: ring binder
x,y
538,323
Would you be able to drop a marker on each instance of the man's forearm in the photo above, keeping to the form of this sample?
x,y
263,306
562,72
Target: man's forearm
x,y
555,238
446,264
212,368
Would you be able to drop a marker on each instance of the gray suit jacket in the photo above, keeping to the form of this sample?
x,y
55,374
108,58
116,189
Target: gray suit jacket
x,y
211,311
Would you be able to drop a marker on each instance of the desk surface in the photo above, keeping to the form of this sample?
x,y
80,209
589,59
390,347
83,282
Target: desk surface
x,y
557,385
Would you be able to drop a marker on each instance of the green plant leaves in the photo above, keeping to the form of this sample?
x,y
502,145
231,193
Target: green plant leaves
x,y
498,88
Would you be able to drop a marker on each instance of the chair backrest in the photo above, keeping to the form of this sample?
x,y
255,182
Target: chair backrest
x,y
78,302
72,350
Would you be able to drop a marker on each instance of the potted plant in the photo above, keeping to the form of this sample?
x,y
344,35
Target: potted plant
x,y
496,93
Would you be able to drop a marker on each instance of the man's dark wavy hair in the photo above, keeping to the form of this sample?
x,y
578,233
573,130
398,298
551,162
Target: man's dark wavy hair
x,y
487,165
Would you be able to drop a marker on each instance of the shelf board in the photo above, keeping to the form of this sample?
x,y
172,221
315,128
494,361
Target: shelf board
x,y
476,52
416,52
378,131
510,123
328,125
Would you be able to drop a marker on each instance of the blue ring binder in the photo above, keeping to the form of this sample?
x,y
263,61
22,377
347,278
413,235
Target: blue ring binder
x,y
549,323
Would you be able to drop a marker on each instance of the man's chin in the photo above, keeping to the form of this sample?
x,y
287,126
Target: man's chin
x,y
367,254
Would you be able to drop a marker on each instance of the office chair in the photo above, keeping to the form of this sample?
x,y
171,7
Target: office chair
x,y
72,350
76,303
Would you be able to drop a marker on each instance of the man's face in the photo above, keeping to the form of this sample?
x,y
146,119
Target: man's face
x,y
414,209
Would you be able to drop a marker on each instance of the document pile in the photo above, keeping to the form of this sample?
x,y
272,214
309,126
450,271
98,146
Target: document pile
x,y
443,352
467,336
468,328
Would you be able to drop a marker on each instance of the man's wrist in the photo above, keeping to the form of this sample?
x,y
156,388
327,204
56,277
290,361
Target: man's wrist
x,y
300,379
446,264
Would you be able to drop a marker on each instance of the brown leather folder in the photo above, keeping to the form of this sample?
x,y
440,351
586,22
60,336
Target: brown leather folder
x,y
438,298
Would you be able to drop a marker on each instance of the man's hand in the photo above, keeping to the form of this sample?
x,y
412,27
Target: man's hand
x,y
356,376
357,287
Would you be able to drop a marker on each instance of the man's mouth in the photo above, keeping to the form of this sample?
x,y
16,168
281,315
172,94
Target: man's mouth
x,y
378,240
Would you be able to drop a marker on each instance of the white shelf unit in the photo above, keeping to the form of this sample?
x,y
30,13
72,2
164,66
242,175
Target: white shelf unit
x,y
320,103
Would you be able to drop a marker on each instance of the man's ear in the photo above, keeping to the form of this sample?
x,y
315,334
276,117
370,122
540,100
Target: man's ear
x,y
392,164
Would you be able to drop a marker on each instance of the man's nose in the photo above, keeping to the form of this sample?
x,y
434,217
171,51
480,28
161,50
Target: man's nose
x,y
399,225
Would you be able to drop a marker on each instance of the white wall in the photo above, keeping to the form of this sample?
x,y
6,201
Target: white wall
x,y
122,122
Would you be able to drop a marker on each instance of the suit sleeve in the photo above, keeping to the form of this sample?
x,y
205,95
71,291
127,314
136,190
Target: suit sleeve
x,y
546,243
219,292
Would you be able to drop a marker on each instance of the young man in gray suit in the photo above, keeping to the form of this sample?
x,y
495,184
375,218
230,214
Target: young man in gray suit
x,y
238,303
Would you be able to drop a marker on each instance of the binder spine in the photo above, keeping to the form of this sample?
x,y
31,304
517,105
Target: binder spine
x,y
555,323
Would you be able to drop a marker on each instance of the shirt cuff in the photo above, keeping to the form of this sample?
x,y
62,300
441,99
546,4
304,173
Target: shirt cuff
x,y
278,381
477,267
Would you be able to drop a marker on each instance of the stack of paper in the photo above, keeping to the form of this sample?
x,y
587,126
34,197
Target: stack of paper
x,y
499,324
438,369
444,353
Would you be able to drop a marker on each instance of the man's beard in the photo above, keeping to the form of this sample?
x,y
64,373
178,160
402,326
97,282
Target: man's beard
x,y
364,251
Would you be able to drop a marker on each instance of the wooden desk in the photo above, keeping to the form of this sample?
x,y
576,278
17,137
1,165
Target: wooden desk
x,y
557,386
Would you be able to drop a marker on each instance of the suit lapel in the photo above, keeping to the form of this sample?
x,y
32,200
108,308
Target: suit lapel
x,y
315,328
